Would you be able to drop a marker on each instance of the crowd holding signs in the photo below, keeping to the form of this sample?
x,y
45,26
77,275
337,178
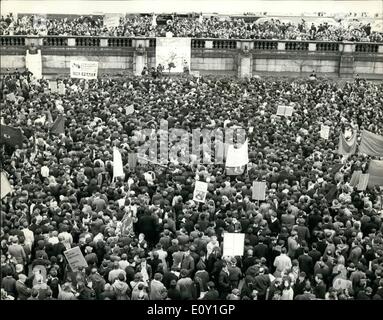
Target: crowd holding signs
x,y
287,215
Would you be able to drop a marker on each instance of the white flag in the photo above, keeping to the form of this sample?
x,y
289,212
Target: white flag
x,y
237,157
118,170
5,186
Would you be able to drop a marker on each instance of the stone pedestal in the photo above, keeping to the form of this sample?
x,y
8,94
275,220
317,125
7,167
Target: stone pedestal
x,y
71,42
245,66
312,47
103,42
140,60
346,67
208,44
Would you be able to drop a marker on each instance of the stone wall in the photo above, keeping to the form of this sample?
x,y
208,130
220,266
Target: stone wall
x,y
12,62
241,58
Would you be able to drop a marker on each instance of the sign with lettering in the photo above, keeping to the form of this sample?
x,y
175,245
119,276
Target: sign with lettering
x,y
233,244
84,69
75,258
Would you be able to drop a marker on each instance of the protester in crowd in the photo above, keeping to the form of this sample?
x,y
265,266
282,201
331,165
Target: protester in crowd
x,y
207,27
313,235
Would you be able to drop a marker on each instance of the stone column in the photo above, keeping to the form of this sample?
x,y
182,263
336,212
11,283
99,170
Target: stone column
x,y
245,59
346,66
140,56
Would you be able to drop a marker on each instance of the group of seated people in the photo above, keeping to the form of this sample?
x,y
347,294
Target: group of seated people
x,y
143,236
203,27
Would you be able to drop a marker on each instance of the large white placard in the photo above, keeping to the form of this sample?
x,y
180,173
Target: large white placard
x,y
325,132
237,157
200,191
233,244
75,258
111,20
84,69
259,190
173,50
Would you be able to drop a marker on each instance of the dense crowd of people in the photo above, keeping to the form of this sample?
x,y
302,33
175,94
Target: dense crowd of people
x,y
142,235
203,27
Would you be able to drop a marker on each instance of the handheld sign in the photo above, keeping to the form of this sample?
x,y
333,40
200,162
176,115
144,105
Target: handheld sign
x,y
75,258
53,86
285,111
259,190
289,111
325,132
84,69
200,191
233,244
61,89
355,178
281,110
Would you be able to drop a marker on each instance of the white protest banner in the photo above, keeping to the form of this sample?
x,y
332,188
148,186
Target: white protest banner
x,y
259,190
289,111
285,111
355,178
174,52
111,20
195,74
75,258
53,86
233,244
5,186
237,157
324,132
84,69
363,181
118,170
281,110
200,191
61,89
375,170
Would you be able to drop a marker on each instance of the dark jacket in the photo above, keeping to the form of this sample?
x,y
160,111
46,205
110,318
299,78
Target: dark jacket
x,y
211,295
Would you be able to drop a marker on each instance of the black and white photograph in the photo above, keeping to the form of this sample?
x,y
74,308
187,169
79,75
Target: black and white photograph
x,y
205,152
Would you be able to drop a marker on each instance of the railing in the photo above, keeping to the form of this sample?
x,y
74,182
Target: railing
x,y
87,42
55,41
297,46
12,40
327,46
152,43
265,45
224,44
120,42
366,47
198,43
